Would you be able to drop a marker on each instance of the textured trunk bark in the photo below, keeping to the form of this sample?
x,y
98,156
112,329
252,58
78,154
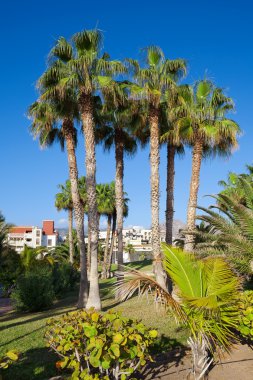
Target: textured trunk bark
x,y
109,262
88,252
119,192
155,194
86,103
108,232
170,193
71,245
194,187
78,212
200,358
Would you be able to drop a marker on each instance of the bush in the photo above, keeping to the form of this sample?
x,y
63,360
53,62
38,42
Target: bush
x,y
99,346
65,278
246,315
34,290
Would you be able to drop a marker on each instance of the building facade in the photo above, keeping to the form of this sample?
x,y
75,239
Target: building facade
x,y
33,236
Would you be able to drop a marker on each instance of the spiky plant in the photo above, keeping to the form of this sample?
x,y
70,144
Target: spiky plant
x,y
207,295
230,228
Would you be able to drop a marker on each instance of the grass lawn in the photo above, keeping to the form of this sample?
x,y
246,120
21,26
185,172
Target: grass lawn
x,y
24,332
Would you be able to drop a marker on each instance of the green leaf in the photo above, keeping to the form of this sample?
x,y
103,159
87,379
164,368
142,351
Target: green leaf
x,y
94,361
12,355
153,333
115,349
118,338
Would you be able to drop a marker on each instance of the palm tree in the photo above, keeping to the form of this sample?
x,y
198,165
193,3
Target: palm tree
x,y
207,293
86,71
230,228
63,201
170,135
152,81
119,113
203,124
53,121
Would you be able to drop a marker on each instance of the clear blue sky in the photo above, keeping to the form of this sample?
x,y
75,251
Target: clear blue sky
x,y
215,36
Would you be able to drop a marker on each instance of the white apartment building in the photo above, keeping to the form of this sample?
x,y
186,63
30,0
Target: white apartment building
x,y
32,236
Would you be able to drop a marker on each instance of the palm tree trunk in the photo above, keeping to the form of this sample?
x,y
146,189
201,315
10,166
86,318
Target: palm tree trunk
x,y
90,163
155,195
119,192
78,213
109,262
200,358
194,187
108,232
170,193
71,246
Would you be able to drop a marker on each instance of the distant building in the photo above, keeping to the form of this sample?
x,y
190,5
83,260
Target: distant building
x,y
32,236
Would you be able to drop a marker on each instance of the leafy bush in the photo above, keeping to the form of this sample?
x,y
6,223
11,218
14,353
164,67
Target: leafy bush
x,y
34,290
65,277
99,346
246,315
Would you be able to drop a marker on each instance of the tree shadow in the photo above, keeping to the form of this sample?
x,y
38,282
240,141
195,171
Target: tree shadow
x,y
35,364
36,316
166,353
138,265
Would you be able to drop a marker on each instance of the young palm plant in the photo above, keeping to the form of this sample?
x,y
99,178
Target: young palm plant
x,y
207,297
230,228
204,125
151,82
87,70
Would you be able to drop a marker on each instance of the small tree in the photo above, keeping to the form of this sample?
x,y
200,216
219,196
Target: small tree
x,y
207,293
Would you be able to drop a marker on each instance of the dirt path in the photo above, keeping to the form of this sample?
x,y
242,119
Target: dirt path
x,y
237,366
5,305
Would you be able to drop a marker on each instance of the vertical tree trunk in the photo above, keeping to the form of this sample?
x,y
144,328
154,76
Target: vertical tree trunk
x,y
90,163
155,195
108,232
119,192
71,244
109,262
78,212
194,187
169,214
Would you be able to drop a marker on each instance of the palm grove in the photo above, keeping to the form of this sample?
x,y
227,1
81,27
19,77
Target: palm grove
x,y
123,105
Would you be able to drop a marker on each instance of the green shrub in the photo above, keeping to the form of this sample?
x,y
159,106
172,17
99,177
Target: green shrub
x,y
246,315
65,278
99,346
34,290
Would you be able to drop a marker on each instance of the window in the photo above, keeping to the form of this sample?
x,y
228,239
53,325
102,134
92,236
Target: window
x,y
37,241
38,233
49,243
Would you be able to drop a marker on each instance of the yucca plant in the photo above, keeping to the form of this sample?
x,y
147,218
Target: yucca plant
x,y
206,301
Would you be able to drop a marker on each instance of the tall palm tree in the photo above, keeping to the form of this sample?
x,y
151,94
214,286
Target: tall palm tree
x,y
53,121
152,81
63,201
118,114
87,70
171,137
203,123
